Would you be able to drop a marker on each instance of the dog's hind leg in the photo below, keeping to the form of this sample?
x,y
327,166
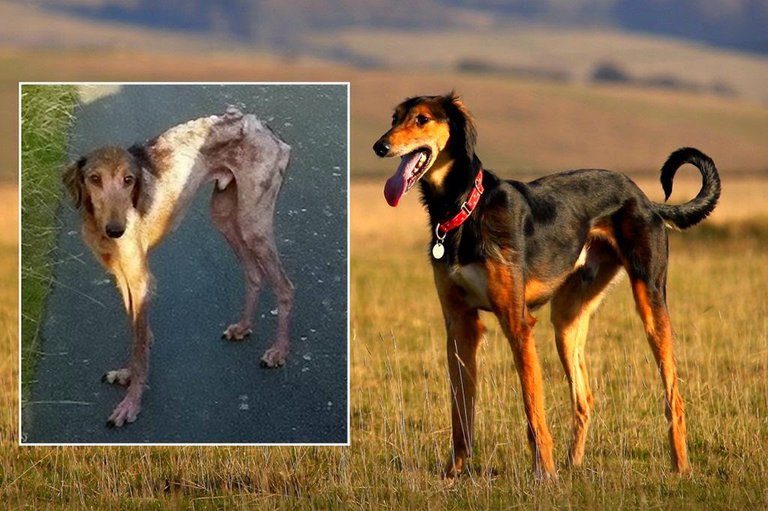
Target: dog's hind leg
x,y
645,256
259,179
267,258
651,305
572,306
250,235
223,209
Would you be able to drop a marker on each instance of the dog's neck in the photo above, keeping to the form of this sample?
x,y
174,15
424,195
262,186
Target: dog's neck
x,y
447,184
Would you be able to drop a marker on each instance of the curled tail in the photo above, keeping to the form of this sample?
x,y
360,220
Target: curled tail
x,y
694,211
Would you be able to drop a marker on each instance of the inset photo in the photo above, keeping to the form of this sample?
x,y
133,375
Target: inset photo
x,y
184,263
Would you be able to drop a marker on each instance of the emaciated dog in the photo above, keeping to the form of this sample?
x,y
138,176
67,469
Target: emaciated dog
x,y
131,198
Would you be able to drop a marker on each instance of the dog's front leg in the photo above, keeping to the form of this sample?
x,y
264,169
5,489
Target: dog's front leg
x,y
463,330
134,281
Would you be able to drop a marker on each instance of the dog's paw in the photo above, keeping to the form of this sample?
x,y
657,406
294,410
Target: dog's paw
x,y
274,356
453,469
119,376
542,476
236,332
126,412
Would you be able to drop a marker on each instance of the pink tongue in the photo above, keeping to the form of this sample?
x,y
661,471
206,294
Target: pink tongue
x,y
397,184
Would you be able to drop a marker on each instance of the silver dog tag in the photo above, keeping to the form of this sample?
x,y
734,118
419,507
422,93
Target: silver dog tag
x,y
438,250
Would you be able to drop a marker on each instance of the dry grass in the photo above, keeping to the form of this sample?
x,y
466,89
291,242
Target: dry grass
x,y
9,316
9,216
722,348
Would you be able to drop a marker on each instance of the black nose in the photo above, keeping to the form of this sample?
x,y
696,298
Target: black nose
x,y
381,147
115,230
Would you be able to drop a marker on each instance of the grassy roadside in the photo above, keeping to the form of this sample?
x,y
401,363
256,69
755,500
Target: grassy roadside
x,y
46,116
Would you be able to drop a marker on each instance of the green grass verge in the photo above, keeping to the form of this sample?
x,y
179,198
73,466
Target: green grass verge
x,y
45,120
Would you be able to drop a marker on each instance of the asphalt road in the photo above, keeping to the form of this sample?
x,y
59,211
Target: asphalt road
x,y
202,389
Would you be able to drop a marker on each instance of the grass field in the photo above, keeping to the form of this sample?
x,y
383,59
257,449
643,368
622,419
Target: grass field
x,y
722,347
400,425
399,402
9,321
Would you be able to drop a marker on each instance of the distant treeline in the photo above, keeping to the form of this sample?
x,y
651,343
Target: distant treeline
x,y
612,72
604,72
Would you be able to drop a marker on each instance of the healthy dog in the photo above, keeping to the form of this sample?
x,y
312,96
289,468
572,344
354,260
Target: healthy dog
x,y
509,247
131,198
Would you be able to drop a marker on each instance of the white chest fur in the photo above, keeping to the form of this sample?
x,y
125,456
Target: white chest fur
x,y
473,279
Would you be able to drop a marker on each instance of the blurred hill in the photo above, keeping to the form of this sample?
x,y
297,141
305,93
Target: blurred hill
x,y
565,55
732,23
554,42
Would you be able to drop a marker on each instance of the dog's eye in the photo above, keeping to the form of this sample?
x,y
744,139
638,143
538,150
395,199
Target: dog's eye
x,y
421,120
128,180
95,179
394,119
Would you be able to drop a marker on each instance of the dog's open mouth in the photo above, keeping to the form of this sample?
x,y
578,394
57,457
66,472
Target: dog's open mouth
x,y
412,166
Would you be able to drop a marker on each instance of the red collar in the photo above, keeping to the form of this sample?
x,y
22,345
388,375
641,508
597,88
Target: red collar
x,y
466,209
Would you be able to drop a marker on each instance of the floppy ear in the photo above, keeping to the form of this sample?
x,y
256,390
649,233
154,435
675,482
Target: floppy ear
x,y
464,123
138,186
73,181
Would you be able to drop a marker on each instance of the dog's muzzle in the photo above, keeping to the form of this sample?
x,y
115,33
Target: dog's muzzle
x,y
381,147
114,230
